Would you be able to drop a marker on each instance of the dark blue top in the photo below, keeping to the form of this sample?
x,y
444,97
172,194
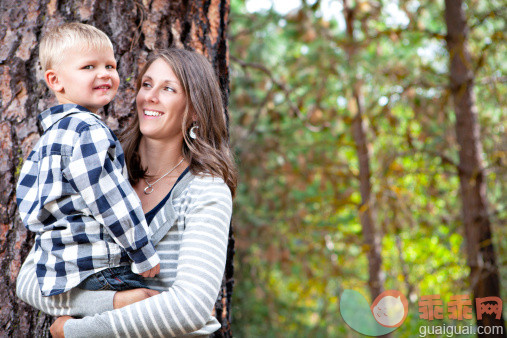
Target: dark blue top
x,y
151,214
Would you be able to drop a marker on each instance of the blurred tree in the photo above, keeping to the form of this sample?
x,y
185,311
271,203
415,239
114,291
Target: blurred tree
x,y
300,241
367,214
135,28
481,257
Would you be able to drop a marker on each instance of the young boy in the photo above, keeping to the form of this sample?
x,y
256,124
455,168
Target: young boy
x,y
87,219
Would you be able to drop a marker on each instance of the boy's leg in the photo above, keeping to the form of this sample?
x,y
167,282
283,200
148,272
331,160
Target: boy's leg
x,y
117,279
122,278
95,282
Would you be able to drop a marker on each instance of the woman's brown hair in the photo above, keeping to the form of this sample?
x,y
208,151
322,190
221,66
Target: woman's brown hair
x,y
209,152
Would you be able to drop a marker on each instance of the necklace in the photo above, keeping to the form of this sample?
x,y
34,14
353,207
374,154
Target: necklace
x,y
149,189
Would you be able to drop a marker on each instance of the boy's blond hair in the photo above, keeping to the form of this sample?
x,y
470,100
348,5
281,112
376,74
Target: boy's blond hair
x,y
58,40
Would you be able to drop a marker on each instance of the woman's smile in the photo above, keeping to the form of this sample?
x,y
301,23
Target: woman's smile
x,y
152,113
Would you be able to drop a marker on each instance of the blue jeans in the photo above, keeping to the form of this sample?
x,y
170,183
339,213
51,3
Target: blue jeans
x,y
118,279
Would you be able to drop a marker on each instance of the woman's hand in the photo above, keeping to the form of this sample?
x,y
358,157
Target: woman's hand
x,y
127,297
57,328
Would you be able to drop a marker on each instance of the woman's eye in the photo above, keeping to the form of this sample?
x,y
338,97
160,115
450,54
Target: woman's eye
x,y
146,84
170,89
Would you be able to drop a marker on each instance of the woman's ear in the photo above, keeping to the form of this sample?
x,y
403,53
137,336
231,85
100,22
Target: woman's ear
x,y
52,80
191,113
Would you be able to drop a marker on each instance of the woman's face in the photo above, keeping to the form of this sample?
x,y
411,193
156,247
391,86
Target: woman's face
x,y
160,103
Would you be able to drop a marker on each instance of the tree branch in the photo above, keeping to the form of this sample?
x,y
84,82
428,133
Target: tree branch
x,y
279,84
293,107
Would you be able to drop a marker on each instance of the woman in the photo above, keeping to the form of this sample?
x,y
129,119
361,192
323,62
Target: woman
x,y
182,170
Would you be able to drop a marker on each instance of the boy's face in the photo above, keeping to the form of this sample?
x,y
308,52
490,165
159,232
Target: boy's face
x,y
87,77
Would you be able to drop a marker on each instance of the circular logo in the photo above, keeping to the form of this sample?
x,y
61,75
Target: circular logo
x,y
390,308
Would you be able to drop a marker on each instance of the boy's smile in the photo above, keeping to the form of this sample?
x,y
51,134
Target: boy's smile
x,y
87,77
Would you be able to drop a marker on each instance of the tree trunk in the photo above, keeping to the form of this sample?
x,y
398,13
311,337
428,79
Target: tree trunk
x,y
367,210
481,258
135,28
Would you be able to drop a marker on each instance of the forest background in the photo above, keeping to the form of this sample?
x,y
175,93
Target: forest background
x,y
301,73
369,134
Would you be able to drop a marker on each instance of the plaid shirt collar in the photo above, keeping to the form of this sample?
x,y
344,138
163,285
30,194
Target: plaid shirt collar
x,y
54,114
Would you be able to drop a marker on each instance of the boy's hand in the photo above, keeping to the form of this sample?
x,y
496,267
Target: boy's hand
x,y
127,297
152,272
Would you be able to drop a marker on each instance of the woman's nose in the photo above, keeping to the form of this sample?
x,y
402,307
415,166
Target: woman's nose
x,y
152,96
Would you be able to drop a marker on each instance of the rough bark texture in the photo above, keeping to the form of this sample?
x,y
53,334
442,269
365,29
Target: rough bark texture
x,y
367,210
484,275
135,27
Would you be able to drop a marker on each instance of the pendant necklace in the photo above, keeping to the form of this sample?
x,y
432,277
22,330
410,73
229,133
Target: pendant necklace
x,y
149,189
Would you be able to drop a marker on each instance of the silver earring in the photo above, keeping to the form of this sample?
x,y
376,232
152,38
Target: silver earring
x,y
193,132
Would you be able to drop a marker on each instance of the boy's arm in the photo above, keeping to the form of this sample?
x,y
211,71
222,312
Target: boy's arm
x,y
96,174
76,302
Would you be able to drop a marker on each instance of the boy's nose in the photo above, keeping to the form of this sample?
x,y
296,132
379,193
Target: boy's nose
x,y
104,74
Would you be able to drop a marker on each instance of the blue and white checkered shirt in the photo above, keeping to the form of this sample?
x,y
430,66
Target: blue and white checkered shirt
x,y
72,193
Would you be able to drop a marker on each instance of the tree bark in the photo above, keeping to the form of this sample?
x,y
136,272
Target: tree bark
x,y
367,209
372,239
135,27
481,257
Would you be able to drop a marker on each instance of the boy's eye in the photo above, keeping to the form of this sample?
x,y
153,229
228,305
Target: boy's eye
x,y
110,67
88,67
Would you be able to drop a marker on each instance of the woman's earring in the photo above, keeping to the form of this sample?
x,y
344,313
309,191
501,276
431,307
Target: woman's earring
x,y
193,132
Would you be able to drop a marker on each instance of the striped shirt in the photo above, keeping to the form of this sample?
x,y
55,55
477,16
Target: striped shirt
x,y
72,194
191,236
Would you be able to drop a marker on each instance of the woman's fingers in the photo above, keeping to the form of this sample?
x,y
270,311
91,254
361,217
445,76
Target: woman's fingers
x,y
127,297
150,292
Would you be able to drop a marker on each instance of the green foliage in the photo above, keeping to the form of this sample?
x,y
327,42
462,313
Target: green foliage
x,y
299,237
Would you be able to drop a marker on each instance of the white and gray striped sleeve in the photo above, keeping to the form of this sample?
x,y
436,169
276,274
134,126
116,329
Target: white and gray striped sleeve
x,y
187,305
76,302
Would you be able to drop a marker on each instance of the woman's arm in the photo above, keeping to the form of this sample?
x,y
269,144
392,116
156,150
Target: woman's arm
x,y
76,302
187,305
